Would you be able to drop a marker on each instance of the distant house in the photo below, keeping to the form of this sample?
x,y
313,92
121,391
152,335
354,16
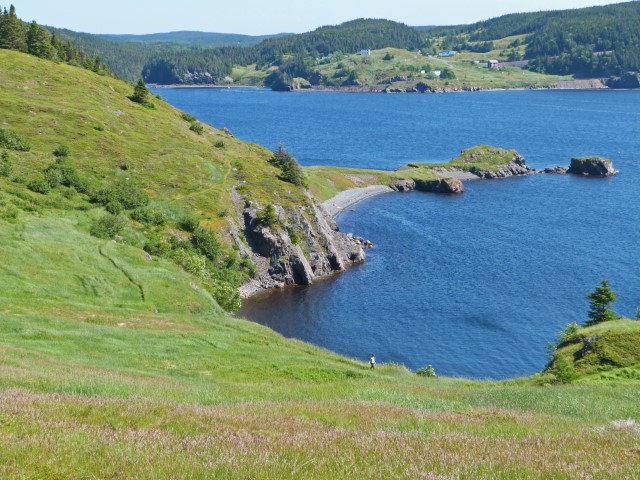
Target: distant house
x,y
437,73
418,51
450,53
365,52
495,64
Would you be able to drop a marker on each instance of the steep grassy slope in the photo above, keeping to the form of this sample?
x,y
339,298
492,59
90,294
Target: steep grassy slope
x,y
117,365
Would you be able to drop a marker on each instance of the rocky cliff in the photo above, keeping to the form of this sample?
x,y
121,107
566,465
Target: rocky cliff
x,y
592,167
303,244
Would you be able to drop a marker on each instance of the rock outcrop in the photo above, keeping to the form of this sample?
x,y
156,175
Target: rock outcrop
x,y
442,185
303,244
626,81
516,167
555,170
592,167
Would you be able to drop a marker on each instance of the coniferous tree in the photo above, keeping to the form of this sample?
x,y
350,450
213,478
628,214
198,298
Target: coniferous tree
x,y
600,304
12,31
38,41
140,92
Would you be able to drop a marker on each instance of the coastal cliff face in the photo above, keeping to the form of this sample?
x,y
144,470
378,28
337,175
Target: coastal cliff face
x,y
304,244
592,167
442,185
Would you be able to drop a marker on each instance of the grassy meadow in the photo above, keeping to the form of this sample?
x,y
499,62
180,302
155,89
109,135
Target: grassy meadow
x,y
118,364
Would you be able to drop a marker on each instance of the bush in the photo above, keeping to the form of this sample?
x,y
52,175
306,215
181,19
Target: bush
x,y
219,144
388,57
124,192
149,216
564,372
6,165
108,226
207,244
39,185
189,118
197,128
158,245
291,170
427,371
13,141
62,151
191,262
225,295
189,223
53,177
114,207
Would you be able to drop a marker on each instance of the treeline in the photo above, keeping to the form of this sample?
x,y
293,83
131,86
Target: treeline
x,y
295,55
584,42
38,41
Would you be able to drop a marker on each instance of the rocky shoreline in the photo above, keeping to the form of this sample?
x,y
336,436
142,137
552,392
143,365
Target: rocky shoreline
x,y
306,244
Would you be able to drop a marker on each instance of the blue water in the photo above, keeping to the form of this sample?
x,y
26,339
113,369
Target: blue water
x,y
476,284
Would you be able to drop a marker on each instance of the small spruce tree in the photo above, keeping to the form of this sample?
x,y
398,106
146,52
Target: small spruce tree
x,y
600,304
140,92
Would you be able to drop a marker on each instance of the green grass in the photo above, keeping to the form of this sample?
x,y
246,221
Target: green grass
x,y
117,365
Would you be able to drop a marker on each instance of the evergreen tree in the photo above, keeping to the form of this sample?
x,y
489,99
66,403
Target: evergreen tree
x,y
38,41
600,304
12,31
140,92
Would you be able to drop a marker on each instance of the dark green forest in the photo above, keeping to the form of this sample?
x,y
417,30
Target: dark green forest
x,y
587,42
38,41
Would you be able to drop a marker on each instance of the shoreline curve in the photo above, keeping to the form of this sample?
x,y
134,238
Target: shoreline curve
x,y
336,205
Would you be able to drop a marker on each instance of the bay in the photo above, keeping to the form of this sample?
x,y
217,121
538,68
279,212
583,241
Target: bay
x,y
477,284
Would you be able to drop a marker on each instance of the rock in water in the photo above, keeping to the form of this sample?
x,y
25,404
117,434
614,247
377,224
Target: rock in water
x,y
592,167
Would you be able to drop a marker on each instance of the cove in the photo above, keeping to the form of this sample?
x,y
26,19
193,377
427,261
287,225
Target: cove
x,y
477,284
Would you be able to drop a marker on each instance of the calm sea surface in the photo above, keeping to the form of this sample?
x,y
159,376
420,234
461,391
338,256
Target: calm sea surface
x,y
476,284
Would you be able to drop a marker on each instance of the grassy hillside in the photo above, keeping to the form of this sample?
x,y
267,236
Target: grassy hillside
x,y
115,364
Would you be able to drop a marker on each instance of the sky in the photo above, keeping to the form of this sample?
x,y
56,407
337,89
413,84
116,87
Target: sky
x,y
260,17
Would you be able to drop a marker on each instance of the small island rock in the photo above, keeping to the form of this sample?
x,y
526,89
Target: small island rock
x,y
592,167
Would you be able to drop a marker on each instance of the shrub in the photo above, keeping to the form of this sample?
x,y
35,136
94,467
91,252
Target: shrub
x,y
388,57
267,216
158,245
53,177
564,372
225,295
13,141
191,262
108,226
39,185
114,207
249,267
290,168
219,144
189,118
427,371
123,191
6,165
189,223
149,216
62,151
207,244
197,128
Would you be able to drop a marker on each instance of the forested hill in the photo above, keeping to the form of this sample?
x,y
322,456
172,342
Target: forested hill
x,y
201,39
186,60
586,42
295,55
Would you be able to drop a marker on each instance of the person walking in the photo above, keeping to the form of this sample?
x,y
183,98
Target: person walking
x,y
372,361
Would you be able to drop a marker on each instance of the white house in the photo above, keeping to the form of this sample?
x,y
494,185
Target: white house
x,y
437,73
365,52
